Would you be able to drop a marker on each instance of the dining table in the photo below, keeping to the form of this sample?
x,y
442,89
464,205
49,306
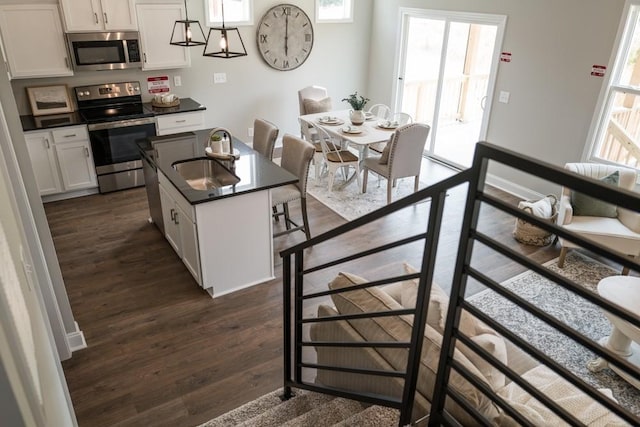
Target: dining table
x,y
336,123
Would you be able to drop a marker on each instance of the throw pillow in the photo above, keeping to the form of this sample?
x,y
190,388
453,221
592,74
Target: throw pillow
x,y
312,106
477,331
398,328
584,205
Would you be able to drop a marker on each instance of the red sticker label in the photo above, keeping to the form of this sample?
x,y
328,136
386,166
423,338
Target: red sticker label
x,y
505,57
598,70
158,84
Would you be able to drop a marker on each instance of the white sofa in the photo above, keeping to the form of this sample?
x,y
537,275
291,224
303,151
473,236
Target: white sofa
x,y
399,295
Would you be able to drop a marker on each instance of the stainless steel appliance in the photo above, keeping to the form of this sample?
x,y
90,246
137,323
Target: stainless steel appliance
x,y
104,51
115,119
153,191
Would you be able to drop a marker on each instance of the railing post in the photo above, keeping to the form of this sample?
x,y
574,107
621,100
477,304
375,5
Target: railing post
x,y
298,284
286,324
458,287
422,298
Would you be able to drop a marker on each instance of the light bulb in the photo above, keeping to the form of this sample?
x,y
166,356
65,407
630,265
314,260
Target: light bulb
x,y
223,42
189,34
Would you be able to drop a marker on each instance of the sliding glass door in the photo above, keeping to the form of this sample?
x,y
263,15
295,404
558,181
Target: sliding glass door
x,y
446,73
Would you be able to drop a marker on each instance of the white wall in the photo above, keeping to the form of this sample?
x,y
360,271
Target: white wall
x,y
338,61
554,44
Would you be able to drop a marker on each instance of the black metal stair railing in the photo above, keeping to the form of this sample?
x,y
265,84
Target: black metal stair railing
x,y
294,275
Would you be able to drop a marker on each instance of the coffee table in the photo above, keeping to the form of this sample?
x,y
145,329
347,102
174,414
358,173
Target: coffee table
x,y
625,337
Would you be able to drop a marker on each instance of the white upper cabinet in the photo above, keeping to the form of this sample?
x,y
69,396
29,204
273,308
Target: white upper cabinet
x,y
33,41
99,15
155,22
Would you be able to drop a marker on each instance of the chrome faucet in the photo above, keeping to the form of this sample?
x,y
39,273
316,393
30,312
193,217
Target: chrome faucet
x,y
226,134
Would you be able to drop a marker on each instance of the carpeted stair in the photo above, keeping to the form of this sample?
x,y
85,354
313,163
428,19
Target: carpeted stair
x,y
305,409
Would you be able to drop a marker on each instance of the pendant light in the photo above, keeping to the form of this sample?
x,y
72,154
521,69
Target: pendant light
x,y
185,36
225,37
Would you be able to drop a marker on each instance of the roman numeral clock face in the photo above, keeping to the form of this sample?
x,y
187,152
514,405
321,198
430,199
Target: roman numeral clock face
x,y
285,37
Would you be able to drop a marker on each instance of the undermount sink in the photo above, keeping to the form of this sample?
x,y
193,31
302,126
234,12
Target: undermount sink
x,y
205,173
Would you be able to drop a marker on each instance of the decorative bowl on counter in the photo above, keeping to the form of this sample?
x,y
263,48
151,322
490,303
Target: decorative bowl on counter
x,y
165,101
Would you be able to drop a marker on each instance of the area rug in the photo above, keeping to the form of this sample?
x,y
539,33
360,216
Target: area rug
x,y
349,202
576,312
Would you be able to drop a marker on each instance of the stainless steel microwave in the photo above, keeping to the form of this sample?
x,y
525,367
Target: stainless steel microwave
x,y
104,51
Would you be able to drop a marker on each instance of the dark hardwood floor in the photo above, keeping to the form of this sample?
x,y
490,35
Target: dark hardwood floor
x,y
160,351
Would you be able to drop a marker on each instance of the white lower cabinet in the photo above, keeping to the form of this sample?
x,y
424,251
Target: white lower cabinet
x,y
61,159
44,163
179,226
167,124
225,244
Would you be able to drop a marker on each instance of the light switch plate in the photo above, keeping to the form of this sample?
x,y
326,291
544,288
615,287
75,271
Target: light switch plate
x,y
504,97
177,81
219,77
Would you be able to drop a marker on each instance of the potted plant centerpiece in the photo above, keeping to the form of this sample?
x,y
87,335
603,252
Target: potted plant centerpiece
x,y
357,102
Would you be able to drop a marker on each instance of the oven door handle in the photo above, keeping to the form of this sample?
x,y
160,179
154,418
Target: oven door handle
x,y
121,124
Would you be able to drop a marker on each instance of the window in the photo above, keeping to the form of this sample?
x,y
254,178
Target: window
x,y
334,10
236,12
617,136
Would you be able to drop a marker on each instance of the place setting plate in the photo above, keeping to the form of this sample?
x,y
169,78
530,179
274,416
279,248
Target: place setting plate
x,y
352,130
386,124
329,120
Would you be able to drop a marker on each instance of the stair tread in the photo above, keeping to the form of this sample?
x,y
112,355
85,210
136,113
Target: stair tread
x,y
288,409
328,414
378,416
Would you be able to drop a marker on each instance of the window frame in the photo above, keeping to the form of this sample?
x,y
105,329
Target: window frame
x,y
215,21
345,20
629,23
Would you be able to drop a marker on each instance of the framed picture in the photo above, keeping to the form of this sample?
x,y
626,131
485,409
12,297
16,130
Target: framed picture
x,y
49,100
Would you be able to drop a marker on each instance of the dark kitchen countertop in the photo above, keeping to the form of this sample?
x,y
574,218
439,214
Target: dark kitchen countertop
x,y
255,171
30,123
186,105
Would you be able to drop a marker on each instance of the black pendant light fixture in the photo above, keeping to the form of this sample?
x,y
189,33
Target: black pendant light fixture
x,y
225,37
186,36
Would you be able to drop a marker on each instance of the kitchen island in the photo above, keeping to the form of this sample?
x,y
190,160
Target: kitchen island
x,y
222,233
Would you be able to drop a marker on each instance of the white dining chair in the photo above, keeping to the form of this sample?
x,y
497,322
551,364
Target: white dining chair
x,y
401,118
336,158
311,100
380,111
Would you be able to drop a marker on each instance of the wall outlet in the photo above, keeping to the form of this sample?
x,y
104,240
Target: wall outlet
x,y
219,77
504,97
177,81
250,132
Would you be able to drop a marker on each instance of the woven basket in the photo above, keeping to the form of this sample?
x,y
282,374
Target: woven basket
x,y
528,234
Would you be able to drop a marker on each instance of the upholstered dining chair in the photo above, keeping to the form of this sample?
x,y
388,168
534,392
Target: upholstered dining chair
x,y
401,157
309,133
265,134
613,227
401,118
336,157
296,158
313,99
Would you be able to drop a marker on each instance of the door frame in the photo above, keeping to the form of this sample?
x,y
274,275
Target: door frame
x,y
500,21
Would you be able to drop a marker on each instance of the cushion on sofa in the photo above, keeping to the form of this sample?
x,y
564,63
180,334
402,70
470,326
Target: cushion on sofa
x,y
578,404
398,328
477,331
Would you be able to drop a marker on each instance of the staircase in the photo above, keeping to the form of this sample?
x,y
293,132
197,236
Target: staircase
x,y
306,409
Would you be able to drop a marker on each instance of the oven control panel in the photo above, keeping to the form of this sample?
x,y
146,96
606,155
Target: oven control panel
x,y
107,90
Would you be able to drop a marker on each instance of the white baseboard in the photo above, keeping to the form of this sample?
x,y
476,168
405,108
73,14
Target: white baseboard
x,y
76,339
69,195
512,188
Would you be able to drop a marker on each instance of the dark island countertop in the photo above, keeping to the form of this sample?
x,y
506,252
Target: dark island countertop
x,y
256,172
30,122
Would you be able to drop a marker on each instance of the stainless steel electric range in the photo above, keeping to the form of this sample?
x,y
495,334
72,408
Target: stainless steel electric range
x,y
115,119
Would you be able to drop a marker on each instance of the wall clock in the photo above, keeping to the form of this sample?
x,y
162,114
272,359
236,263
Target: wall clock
x,y
285,37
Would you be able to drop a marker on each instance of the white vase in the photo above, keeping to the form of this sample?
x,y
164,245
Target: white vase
x,y
357,117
